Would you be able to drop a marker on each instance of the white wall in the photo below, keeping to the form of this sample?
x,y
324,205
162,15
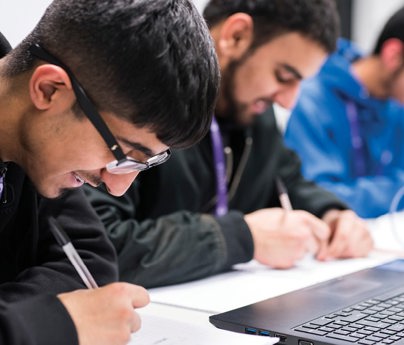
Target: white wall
x,y
369,18
18,17
200,4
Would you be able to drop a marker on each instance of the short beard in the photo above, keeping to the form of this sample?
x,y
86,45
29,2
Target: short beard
x,y
231,111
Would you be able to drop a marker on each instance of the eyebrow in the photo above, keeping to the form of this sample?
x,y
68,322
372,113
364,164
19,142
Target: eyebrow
x,y
137,146
292,70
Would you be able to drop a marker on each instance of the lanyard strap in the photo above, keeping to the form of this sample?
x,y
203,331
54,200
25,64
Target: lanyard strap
x,y
220,170
3,170
356,139
1,185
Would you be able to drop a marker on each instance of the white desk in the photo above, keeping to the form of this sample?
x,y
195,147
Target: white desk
x,y
192,303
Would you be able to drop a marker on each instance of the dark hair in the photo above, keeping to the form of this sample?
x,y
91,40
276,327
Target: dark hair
x,y
314,19
150,62
394,28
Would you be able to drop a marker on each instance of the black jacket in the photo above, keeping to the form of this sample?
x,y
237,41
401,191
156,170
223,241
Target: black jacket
x,y
34,267
163,228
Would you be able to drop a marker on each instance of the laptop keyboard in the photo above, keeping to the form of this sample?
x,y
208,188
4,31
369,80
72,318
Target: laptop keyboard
x,y
373,321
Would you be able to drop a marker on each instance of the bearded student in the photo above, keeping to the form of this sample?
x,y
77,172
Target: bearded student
x,y
216,204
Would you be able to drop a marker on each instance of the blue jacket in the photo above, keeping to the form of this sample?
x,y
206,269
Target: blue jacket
x,y
319,130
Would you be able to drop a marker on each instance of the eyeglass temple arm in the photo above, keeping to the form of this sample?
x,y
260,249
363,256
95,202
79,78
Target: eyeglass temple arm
x,y
84,102
98,122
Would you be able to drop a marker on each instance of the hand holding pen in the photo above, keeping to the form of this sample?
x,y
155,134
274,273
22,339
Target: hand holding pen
x,y
283,195
286,204
104,315
283,236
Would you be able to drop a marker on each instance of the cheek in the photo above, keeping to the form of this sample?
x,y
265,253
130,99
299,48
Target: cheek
x,y
79,155
251,84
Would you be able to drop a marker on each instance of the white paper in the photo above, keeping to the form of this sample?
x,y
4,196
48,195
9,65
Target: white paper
x,y
158,330
253,282
388,232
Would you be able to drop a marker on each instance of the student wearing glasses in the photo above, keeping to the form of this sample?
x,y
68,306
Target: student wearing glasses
x,y
348,124
96,93
216,204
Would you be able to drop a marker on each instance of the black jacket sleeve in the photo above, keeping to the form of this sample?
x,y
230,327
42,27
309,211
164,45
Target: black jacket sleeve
x,y
174,248
47,267
38,320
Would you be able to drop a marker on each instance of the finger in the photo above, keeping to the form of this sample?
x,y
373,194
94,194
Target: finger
x,y
322,253
318,227
137,295
354,233
321,232
343,235
312,245
140,296
135,323
337,248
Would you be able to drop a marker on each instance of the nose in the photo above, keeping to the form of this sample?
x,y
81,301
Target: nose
x,y
116,184
287,96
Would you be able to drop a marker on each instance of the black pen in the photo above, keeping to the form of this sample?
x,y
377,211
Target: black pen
x,y
71,253
283,195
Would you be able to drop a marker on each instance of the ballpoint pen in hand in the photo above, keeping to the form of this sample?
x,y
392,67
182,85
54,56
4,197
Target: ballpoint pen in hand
x,y
71,253
283,195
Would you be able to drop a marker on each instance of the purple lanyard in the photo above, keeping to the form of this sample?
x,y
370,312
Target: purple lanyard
x,y
1,185
220,170
356,140
3,169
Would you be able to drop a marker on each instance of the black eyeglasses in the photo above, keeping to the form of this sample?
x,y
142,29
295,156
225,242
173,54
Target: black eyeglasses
x,y
123,164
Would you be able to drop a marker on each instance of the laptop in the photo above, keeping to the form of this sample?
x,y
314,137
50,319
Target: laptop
x,y
365,307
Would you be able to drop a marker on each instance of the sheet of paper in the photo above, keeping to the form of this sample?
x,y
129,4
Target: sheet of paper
x,y
388,232
252,282
158,330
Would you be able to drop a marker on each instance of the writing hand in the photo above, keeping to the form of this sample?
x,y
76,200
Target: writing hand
x,y
106,316
281,238
350,236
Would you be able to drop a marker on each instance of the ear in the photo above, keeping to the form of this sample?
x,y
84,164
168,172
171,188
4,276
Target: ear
x,y
50,86
392,53
236,35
